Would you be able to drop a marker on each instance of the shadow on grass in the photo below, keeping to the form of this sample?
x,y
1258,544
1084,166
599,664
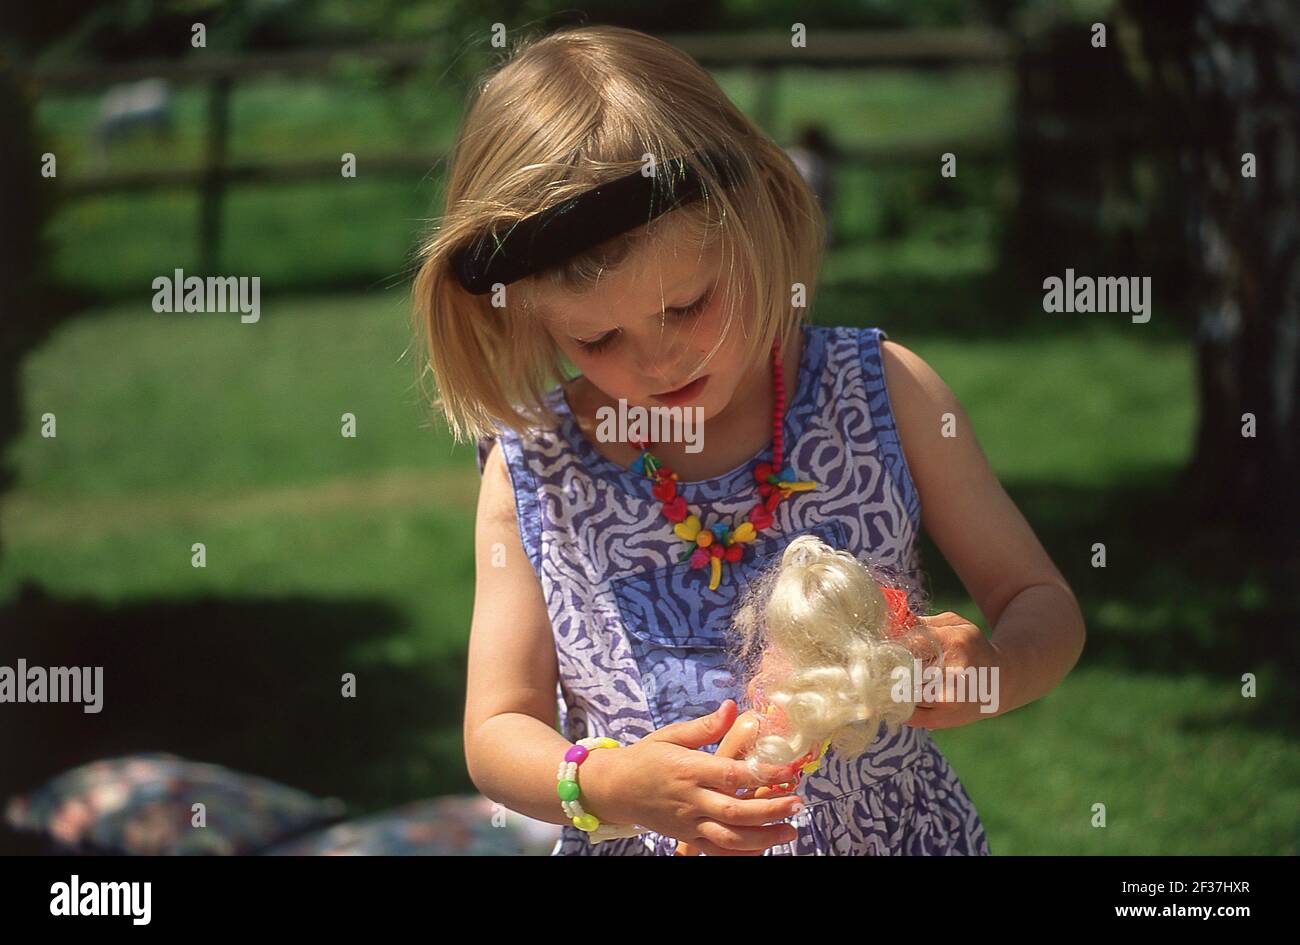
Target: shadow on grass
x,y
251,684
1177,595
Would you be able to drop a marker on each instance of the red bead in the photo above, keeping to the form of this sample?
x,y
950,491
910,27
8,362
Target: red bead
x,y
665,490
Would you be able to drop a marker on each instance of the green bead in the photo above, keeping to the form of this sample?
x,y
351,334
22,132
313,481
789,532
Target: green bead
x,y
568,790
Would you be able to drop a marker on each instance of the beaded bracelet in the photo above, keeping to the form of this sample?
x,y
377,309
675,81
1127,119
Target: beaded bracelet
x,y
567,789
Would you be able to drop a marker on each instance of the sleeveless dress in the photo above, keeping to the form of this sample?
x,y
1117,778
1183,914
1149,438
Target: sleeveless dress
x,y
640,638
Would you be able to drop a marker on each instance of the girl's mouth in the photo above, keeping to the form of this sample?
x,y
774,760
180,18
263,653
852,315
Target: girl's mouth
x,y
683,395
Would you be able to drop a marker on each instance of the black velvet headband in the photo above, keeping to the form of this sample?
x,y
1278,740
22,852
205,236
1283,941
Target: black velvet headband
x,y
550,236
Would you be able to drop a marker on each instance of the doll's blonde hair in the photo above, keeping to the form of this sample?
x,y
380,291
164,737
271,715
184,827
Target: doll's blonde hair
x,y
822,612
565,112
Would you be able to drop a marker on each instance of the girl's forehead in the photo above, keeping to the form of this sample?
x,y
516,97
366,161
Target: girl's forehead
x,y
637,288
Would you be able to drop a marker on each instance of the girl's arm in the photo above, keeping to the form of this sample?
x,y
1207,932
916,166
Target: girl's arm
x,y
512,748
1038,627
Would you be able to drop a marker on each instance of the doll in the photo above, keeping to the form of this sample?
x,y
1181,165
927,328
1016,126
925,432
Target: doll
x,y
818,642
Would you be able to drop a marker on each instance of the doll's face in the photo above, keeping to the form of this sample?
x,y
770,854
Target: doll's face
x,y
773,668
647,328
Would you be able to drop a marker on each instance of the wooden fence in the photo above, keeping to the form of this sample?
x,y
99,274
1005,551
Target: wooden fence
x,y
767,55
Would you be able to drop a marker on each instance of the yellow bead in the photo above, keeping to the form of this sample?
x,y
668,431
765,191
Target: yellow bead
x,y
688,529
607,742
587,822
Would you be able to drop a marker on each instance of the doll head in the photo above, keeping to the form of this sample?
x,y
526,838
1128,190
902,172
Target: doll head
x,y
819,641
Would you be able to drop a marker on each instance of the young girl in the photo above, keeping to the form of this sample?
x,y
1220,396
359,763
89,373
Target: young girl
x,y
607,206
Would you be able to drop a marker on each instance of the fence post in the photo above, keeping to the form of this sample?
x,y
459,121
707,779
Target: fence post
x,y
768,76
214,169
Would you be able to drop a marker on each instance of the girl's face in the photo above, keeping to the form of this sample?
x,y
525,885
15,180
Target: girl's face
x,y
646,328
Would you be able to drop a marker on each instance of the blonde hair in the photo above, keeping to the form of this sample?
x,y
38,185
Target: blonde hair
x,y
566,112
813,631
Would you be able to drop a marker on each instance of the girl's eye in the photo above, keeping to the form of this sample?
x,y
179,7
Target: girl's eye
x,y
603,342
600,344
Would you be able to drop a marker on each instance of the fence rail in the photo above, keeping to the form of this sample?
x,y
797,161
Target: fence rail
x,y
768,54
852,49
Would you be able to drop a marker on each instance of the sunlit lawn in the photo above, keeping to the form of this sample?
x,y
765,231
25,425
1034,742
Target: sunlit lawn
x,y
327,555
177,429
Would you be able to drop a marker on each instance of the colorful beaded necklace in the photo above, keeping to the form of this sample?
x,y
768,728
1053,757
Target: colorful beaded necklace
x,y
719,542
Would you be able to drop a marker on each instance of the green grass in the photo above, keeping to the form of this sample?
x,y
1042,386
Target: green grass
x,y
269,118
289,236
1176,761
328,555
274,117
354,233
201,402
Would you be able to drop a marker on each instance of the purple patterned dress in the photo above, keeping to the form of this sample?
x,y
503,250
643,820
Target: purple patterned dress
x,y
639,636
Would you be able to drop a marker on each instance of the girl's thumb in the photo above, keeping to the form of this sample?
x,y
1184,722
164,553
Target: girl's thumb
x,y
696,733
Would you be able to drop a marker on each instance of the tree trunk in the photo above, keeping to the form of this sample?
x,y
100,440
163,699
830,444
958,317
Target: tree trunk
x,y
1225,80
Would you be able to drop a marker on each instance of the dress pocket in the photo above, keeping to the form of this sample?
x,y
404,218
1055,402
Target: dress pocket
x,y
677,627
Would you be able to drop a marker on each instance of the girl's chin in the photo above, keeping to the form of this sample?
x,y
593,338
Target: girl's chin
x,y
700,410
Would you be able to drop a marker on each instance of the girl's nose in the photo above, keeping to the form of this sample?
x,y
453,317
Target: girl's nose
x,y
665,368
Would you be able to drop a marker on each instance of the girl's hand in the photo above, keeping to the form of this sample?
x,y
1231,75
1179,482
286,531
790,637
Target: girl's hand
x,y
665,783
964,644
737,743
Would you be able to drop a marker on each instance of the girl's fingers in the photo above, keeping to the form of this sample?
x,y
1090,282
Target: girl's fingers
x,y
940,620
740,840
730,775
709,848
739,738
743,811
